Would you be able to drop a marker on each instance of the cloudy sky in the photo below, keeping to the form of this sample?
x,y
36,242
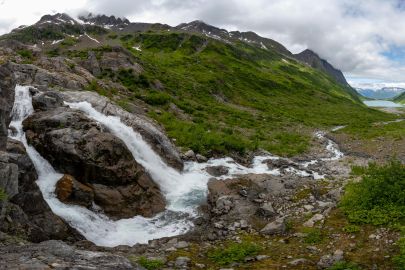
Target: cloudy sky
x,y
363,38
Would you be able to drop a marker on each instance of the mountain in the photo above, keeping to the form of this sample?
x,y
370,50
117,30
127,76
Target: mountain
x,y
145,146
91,23
400,98
312,59
381,93
105,21
234,91
233,36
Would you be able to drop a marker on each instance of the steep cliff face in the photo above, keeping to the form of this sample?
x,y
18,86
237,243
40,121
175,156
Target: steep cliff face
x,y
312,59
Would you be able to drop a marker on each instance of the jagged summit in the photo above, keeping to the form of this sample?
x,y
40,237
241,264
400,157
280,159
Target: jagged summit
x,y
104,20
61,25
312,59
199,26
58,18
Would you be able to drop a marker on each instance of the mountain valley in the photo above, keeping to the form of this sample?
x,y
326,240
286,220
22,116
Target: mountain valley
x,y
146,146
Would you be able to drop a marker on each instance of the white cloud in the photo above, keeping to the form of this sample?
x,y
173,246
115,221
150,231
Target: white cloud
x,y
351,34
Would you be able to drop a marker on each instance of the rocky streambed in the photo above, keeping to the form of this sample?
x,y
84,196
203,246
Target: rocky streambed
x,y
103,171
94,170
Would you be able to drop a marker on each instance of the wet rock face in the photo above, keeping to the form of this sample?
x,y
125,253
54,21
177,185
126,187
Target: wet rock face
x,y
69,190
47,100
26,213
151,132
7,85
79,146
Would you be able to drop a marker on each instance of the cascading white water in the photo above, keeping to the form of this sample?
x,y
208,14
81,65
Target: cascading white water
x,y
184,191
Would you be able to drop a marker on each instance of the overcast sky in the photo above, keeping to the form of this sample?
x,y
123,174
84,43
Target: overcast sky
x,y
363,38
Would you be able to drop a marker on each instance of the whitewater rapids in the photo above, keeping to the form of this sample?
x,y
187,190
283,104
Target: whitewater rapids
x,y
184,191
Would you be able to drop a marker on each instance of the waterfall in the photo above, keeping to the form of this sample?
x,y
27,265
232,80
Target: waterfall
x,y
184,191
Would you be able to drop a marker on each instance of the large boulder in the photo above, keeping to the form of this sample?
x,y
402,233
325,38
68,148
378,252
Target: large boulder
x,y
69,190
150,130
28,74
79,146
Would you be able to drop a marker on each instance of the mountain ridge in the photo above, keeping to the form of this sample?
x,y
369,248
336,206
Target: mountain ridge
x,y
198,26
382,93
195,84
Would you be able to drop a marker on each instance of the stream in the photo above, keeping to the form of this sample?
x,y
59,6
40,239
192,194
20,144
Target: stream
x,y
184,191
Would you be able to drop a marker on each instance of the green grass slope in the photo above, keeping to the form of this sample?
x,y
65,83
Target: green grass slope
x,y
217,98
400,98
239,97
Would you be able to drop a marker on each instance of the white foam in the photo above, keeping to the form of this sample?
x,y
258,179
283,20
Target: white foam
x,y
184,191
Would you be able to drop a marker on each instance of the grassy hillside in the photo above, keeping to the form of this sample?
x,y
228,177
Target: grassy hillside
x,y
400,98
216,98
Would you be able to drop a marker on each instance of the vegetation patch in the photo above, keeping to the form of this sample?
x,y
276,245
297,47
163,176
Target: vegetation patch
x,y
233,252
150,264
379,198
313,236
344,266
3,195
399,259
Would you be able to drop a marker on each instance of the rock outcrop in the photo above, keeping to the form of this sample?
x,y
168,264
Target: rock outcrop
x,y
26,213
312,59
7,85
69,190
58,255
79,146
150,131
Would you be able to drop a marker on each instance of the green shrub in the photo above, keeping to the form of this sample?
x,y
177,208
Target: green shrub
x,y
379,198
26,54
3,195
314,236
399,259
351,228
234,252
69,41
344,266
157,98
150,264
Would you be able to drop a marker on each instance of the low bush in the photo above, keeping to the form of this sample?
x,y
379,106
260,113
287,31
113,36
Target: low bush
x,y
399,259
379,198
150,264
3,195
234,252
313,236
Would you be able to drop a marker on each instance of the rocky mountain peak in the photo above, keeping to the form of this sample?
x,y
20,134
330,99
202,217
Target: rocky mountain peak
x,y
312,59
201,27
58,18
104,20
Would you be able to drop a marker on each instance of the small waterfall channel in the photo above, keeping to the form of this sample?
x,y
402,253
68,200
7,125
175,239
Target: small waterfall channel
x,y
184,191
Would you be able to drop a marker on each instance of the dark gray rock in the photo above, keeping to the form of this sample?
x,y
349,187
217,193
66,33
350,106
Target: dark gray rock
x,y
266,210
58,255
217,170
47,100
79,146
276,227
7,85
27,212
150,131
327,261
